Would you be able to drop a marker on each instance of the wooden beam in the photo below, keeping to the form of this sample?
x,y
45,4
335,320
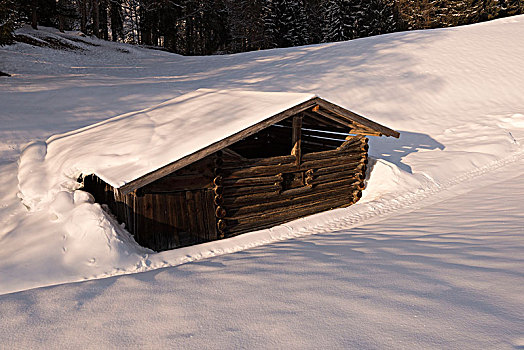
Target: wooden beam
x,y
345,122
323,121
296,137
167,169
253,181
355,127
230,154
311,161
260,161
356,118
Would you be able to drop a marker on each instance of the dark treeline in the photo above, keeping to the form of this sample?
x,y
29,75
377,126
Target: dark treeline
x,y
203,27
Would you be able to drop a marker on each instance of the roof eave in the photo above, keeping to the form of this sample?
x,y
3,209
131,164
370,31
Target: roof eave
x,y
357,118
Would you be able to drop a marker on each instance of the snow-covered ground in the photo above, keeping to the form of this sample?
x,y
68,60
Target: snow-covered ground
x,y
448,276
418,261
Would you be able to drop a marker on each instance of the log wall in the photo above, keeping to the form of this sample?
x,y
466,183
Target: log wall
x,y
260,193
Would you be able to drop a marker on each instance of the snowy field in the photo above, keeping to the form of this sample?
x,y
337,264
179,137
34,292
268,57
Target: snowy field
x,y
448,276
431,257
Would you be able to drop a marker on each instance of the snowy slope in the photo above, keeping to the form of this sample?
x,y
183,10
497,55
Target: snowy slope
x,y
447,276
454,94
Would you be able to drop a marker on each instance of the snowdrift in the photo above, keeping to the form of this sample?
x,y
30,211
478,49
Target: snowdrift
x,y
454,94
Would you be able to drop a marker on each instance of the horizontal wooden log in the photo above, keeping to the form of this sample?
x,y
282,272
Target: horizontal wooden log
x,y
341,198
351,174
357,168
253,181
243,191
342,159
279,217
338,183
322,147
351,152
277,220
354,141
260,207
272,219
237,201
337,158
235,227
296,191
286,159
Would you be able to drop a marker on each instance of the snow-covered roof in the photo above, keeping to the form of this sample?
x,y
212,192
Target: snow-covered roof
x,y
127,147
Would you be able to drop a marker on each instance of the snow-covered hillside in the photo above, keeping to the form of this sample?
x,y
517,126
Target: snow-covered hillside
x,y
454,94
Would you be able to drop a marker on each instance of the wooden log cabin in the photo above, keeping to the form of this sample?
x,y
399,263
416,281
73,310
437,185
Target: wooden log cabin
x,y
309,156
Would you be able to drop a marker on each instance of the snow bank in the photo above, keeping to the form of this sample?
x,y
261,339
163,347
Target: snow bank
x,y
454,94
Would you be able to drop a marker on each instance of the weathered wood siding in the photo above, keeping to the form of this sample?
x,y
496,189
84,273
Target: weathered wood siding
x,y
174,211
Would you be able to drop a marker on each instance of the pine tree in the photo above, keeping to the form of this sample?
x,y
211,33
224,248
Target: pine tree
x,y
214,30
269,19
245,23
7,22
293,23
339,22
315,22
285,23
375,17
67,15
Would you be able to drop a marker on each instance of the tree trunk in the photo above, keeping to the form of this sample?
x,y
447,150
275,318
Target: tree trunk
x,y
104,34
61,18
34,15
96,18
117,29
83,16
